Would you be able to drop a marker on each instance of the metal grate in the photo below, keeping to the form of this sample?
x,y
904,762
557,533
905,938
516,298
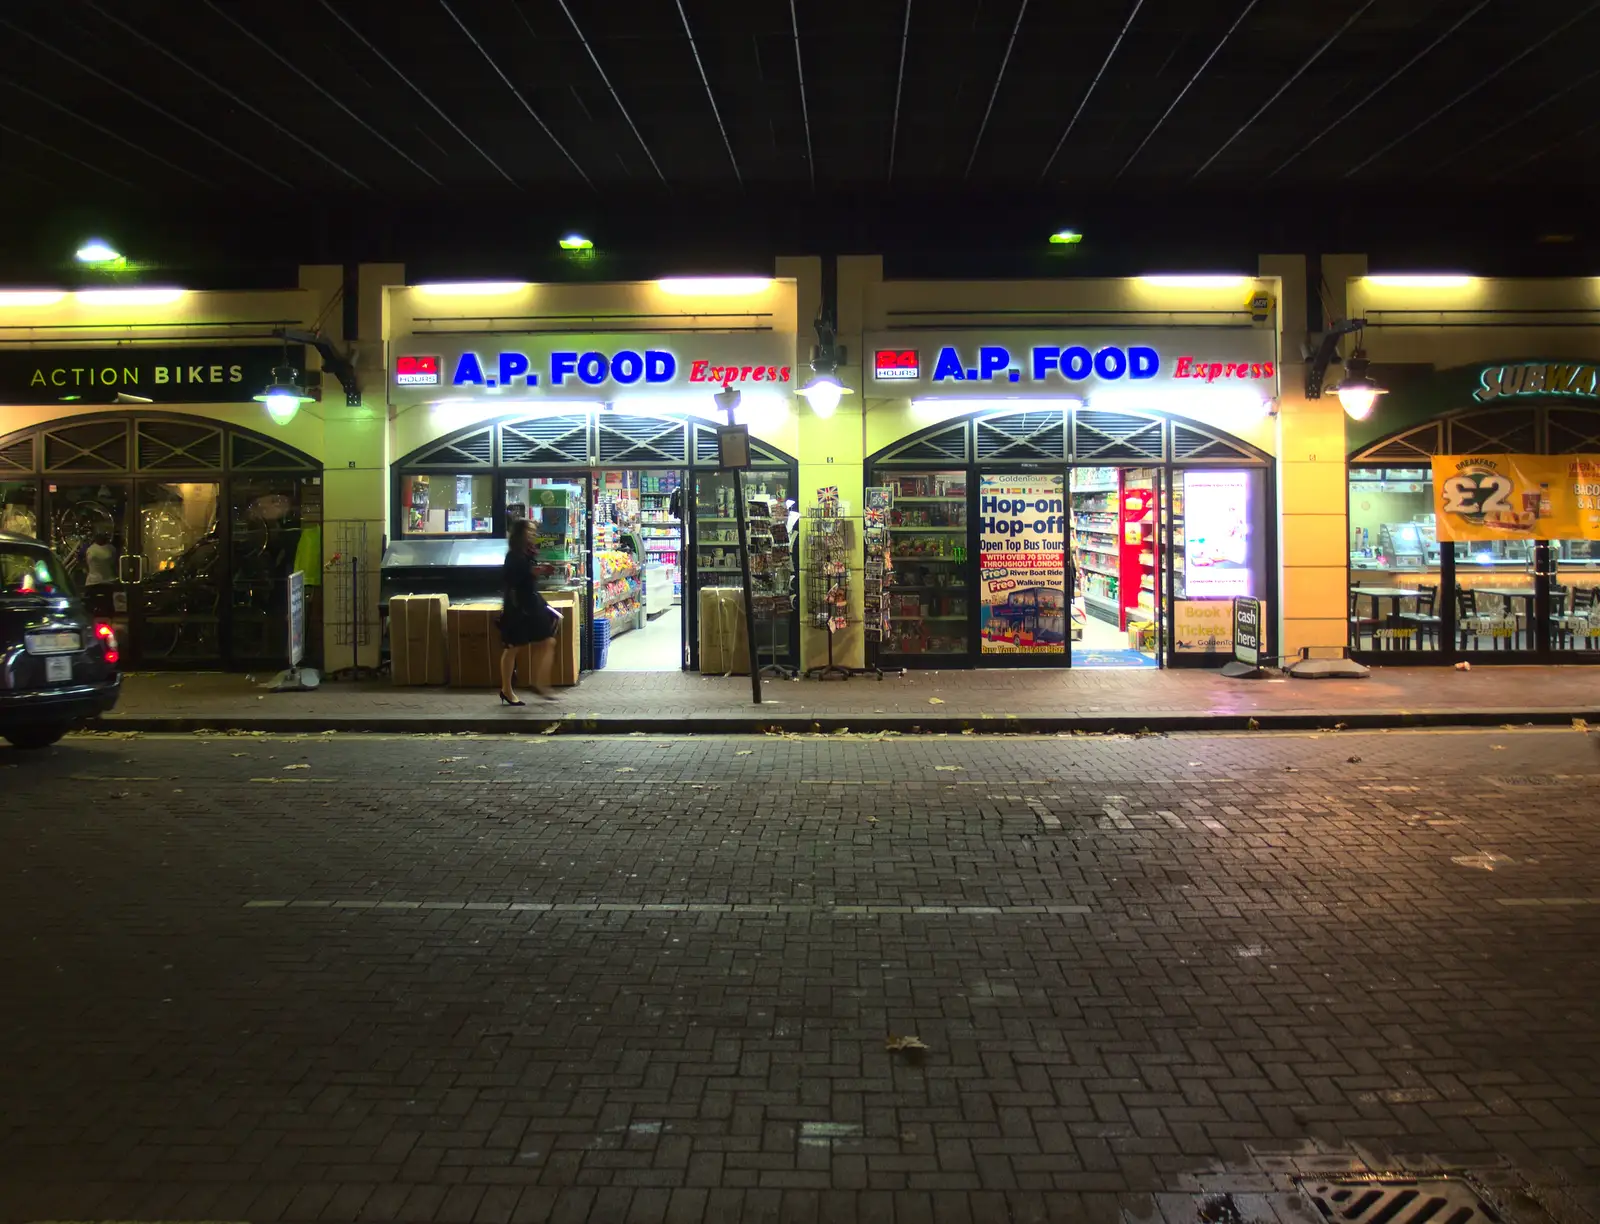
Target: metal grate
x,y
1112,437
949,443
553,439
1399,1201
1420,443
175,446
259,455
97,446
468,451
1573,430
635,439
1196,444
18,456
1511,430
1023,435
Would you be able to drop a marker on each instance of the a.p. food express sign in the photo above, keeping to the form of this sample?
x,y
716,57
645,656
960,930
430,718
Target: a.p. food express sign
x,y
428,369
1069,362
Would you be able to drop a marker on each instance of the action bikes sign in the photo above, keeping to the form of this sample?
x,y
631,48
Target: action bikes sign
x,y
433,369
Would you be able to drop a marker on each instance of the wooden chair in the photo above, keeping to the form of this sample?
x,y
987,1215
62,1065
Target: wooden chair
x,y
1426,619
1472,621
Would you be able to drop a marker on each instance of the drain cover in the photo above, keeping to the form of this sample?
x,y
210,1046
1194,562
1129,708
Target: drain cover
x,y
1400,1201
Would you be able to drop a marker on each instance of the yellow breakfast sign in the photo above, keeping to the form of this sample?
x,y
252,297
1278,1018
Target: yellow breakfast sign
x,y
1517,497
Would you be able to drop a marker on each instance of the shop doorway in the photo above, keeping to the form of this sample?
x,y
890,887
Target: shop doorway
x,y
638,568
1119,539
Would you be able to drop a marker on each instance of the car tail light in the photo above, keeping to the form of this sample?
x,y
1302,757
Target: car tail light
x,y
108,641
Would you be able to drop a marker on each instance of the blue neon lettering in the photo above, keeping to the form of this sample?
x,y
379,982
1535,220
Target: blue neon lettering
x,y
1110,363
1076,363
468,370
948,367
991,360
1046,357
1143,362
592,368
561,365
627,367
511,366
659,367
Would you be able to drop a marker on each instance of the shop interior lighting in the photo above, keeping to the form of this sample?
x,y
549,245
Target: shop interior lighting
x,y
31,297
1066,237
1357,390
1453,280
969,403
576,242
1240,401
472,288
97,251
129,297
1197,281
714,286
283,395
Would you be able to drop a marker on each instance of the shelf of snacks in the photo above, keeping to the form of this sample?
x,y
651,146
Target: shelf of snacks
x,y
926,599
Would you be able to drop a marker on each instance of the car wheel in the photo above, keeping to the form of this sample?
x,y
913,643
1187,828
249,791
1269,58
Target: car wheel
x,y
34,737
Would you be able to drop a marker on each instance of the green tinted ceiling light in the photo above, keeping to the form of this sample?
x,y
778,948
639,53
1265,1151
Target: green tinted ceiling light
x,y
1065,237
576,242
98,251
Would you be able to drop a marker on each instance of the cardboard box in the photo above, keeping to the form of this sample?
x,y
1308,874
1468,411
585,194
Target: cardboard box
x,y
724,640
474,641
417,639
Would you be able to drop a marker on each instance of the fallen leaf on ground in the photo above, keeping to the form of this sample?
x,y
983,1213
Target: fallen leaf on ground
x,y
896,1045
935,700
1580,724
297,767
948,768
1252,725
1355,760
238,754
626,769
744,752
1497,747
446,760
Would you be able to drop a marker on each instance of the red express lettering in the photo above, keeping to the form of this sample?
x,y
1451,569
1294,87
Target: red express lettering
x,y
704,371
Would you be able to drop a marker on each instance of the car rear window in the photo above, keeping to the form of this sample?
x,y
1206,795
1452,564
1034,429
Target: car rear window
x,y
30,572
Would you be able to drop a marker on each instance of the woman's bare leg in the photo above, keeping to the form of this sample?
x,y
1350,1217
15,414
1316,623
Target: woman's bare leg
x,y
508,664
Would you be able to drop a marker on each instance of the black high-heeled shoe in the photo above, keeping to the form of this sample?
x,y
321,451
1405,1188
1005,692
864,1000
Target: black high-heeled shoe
x,y
504,700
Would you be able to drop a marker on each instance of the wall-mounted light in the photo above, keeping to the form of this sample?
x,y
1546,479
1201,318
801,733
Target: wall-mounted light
x,y
1357,390
283,395
97,251
823,390
472,288
1207,280
714,286
1065,237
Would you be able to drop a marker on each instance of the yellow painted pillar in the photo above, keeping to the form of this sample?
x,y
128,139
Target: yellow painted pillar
x,y
356,471
1313,535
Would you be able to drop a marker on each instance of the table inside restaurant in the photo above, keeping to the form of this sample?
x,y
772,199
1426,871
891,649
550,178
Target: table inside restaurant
x,y
1394,595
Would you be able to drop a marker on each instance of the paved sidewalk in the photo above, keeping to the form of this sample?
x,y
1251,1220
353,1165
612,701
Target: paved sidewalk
x,y
930,701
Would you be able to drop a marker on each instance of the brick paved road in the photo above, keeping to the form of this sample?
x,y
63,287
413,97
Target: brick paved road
x,y
642,979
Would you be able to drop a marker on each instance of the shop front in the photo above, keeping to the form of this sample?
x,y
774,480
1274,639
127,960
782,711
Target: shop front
x,y
1474,517
180,528
1078,497
607,443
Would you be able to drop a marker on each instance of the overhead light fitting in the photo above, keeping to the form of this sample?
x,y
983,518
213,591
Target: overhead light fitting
x,y
97,251
1205,280
714,286
1357,390
128,297
823,390
31,297
576,242
284,394
1066,237
472,288
1450,280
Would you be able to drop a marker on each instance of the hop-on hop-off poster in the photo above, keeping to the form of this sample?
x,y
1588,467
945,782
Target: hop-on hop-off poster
x,y
1022,569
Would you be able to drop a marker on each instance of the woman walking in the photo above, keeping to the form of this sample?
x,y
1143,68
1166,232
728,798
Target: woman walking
x,y
526,618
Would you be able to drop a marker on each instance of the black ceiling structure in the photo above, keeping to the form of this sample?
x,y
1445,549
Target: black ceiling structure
x,y
951,135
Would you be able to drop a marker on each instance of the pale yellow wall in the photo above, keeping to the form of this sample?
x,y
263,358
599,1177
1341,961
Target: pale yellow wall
x,y
1313,542
1485,318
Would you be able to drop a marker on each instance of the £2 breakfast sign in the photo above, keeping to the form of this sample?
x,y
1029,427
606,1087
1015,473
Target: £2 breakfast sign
x,y
1516,497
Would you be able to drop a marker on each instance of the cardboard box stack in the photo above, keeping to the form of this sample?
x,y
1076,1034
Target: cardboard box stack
x,y
724,641
417,639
